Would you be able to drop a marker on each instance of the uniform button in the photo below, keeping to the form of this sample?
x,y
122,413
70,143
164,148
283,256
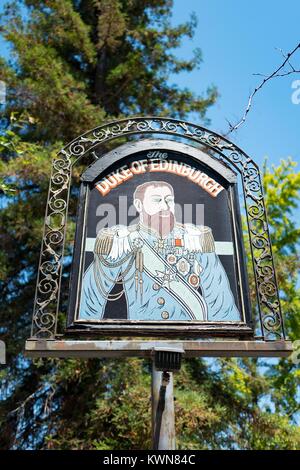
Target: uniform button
x,y
161,301
165,315
194,280
171,259
155,286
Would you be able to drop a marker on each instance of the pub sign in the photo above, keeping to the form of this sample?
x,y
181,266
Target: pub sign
x,y
158,246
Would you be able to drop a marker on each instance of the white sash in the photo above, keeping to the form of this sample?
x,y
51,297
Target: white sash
x,y
192,302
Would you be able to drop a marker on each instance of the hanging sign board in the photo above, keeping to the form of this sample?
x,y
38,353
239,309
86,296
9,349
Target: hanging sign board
x,y
158,247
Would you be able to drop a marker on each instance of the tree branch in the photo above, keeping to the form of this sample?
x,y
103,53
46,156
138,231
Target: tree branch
x,y
279,72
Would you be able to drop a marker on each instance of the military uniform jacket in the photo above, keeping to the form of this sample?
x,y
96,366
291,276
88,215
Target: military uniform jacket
x,y
176,278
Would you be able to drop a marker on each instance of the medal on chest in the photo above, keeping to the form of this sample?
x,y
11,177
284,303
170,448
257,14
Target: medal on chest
x,y
183,261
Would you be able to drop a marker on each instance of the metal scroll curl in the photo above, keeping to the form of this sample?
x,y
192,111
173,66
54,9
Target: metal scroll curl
x,y
44,322
46,304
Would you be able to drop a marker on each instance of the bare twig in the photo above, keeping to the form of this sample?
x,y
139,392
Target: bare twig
x,y
20,410
35,395
279,72
22,406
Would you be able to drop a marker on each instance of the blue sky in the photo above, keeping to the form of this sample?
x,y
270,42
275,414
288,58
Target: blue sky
x,y
239,39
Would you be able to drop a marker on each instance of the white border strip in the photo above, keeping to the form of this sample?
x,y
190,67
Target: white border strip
x,y
222,248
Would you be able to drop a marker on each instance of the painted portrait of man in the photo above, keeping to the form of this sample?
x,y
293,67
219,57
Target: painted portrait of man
x,y
165,270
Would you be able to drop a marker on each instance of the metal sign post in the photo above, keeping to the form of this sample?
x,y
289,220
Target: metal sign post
x,y
163,412
165,362
163,417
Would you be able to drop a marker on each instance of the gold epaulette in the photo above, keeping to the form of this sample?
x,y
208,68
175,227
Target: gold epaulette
x,y
207,240
104,242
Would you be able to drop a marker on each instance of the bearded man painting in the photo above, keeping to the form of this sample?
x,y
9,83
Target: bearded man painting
x,y
166,270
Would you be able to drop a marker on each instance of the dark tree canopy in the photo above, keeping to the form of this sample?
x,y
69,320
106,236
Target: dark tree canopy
x,y
79,62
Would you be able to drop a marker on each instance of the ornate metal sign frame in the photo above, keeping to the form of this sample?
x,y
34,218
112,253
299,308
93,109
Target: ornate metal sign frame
x,y
46,304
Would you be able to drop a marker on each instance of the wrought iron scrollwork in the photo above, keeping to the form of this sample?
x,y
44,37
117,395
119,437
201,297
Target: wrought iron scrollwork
x,y
49,275
47,291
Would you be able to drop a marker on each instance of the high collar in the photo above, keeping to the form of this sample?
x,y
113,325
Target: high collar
x,y
153,233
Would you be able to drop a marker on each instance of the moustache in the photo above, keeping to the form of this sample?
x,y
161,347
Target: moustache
x,y
164,213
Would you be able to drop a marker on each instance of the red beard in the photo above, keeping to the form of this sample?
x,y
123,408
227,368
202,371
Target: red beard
x,y
162,222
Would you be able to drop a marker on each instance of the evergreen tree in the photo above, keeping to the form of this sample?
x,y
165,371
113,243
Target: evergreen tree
x,y
75,64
